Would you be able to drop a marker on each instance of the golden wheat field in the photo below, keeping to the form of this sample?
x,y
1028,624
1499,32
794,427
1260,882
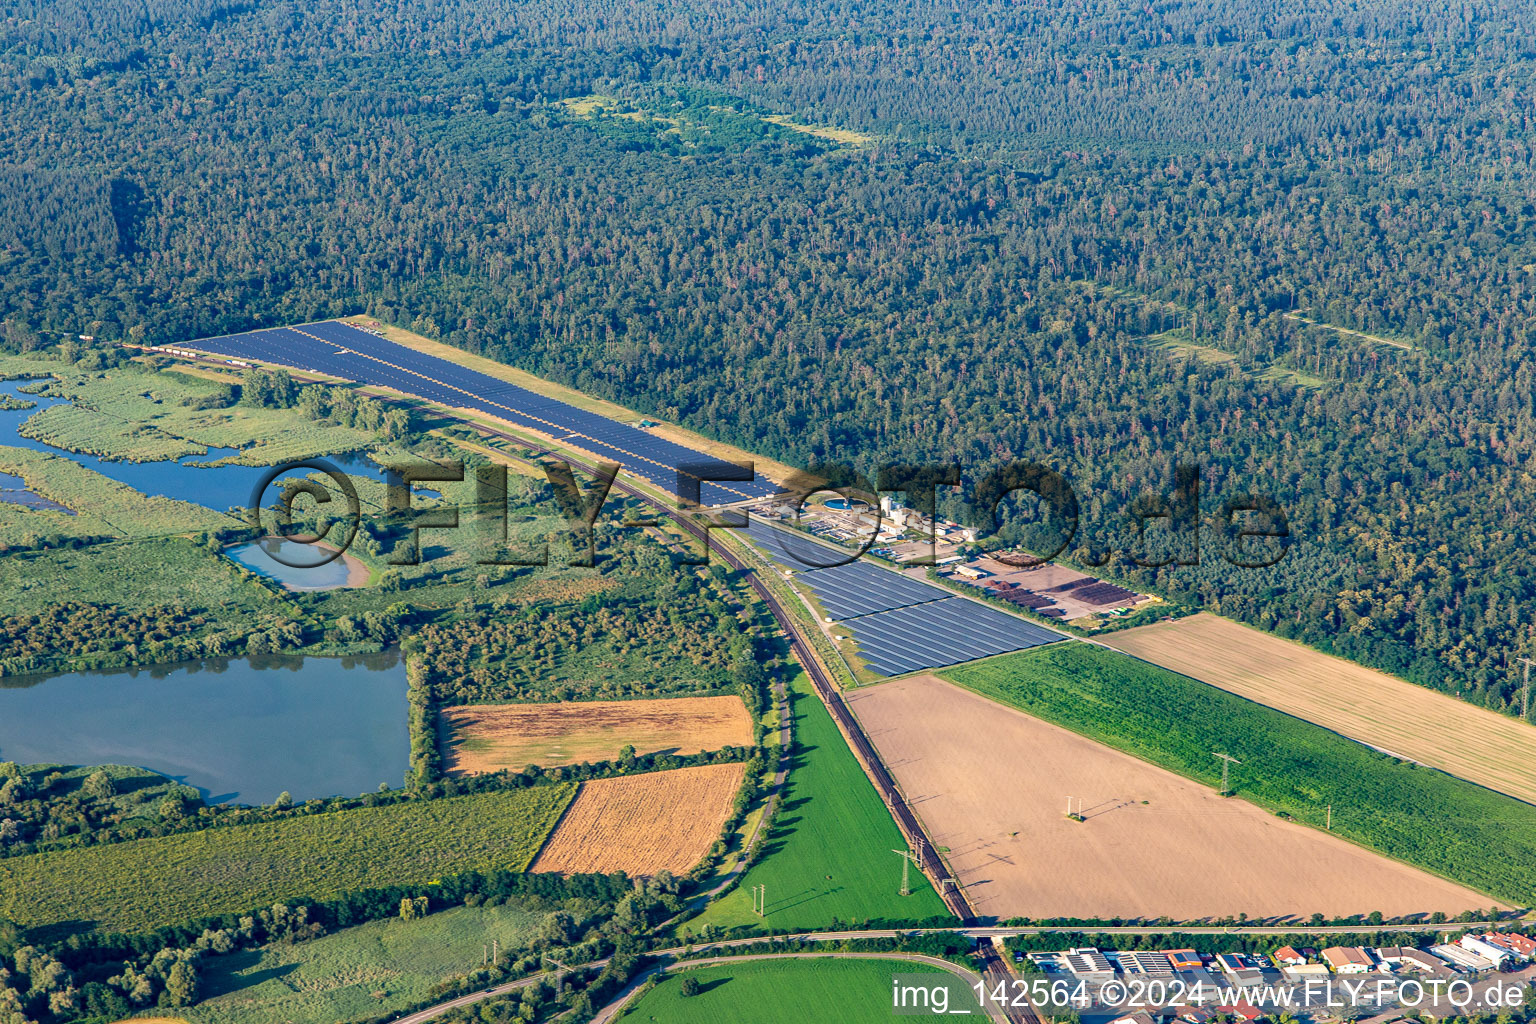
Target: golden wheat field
x,y
642,824
483,738
1372,707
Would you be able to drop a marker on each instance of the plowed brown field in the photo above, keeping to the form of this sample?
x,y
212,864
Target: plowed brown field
x,y
991,784
490,737
642,824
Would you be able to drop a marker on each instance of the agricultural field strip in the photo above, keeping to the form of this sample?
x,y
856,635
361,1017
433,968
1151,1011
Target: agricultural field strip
x,y
642,824
1291,767
1371,707
352,353
492,737
148,883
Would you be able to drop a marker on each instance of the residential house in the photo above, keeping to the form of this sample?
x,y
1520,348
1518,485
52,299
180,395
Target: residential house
x,y
1518,946
1286,956
1348,959
1193,1014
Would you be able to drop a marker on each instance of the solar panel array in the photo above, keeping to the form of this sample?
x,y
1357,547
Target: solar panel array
x,y
939,633
900,624
794,550
351,353
848,591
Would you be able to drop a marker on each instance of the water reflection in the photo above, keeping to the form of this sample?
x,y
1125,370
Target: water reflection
x,y
237,730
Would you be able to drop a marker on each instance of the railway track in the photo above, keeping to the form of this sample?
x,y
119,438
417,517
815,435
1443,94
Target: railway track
x,y
994,969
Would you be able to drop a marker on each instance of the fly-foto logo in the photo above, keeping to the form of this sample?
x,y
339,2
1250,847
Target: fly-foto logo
x,y
322,509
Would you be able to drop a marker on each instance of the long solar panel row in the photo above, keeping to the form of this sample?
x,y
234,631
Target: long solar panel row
x,y
941,633
340,350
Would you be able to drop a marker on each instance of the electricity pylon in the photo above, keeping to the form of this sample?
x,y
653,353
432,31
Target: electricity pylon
x,y
908,858
1525,694
1227,761
560,975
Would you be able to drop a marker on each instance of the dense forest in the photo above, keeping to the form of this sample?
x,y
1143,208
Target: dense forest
x,y
1094,237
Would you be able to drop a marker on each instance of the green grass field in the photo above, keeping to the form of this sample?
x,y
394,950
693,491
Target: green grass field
x,y
357,973
140,885
97,433
1424,817
774,991
828,855
133,574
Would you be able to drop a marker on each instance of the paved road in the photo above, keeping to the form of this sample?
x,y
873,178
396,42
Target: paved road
x,y
434,1012
996,970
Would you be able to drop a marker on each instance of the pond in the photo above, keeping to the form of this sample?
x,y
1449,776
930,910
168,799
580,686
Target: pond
x,y
217,487
240,730
294,564
14,491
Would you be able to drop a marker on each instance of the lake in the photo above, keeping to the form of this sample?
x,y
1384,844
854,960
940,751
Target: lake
x,y
240,730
